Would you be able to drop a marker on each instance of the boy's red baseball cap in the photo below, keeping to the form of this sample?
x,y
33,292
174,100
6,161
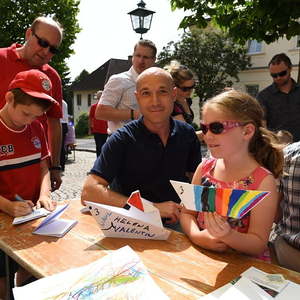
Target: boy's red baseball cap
x,y
34,83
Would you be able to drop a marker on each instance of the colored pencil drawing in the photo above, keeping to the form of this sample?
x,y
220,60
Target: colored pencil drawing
x,y
119,275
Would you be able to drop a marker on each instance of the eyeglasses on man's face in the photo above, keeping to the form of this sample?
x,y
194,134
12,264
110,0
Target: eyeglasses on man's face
x,y
186,88
143,56
44,44
219,127
279,74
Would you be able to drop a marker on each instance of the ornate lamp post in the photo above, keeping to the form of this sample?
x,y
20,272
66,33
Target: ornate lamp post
x,y
141,18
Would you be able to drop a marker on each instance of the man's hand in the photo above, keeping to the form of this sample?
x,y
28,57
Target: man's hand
x,y
169,210
55,177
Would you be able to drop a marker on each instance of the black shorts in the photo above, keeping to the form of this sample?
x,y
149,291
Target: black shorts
x,y
13,266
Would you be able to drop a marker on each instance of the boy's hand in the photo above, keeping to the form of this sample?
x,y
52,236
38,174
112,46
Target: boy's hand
x,y
18,209
47,203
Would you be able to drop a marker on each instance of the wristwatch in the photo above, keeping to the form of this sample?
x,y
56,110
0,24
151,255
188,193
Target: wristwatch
x,y
56,168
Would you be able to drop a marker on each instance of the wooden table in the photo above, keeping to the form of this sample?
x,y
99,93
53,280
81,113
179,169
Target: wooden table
x,y
182,270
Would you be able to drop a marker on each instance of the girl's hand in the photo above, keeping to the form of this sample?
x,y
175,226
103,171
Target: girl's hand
x,y
47,203
216,225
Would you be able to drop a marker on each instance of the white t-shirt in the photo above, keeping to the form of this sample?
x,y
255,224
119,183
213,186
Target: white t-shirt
x,y
119,93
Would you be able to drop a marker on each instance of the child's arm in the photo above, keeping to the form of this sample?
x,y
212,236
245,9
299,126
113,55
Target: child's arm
x,y
199,237
15,208
45,192
254,242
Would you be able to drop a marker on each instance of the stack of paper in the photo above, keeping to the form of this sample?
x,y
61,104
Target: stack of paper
x,y
255,284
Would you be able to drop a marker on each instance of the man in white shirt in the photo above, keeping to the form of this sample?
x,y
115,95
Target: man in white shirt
x,y
118,104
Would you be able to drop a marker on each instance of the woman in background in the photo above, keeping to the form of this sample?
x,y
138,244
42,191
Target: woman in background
x,y
184,80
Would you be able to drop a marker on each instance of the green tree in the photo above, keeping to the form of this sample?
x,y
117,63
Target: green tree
x,y
82,127
262,20
213,56
17,16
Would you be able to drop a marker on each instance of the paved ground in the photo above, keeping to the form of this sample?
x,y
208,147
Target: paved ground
x,y
75,170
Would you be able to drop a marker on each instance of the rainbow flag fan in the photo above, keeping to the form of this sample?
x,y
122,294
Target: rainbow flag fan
x,y
226,202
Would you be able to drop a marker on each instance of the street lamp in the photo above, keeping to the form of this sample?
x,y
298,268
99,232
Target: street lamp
x,y
141,18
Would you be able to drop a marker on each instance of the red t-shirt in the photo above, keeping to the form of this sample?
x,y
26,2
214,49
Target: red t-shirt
x,y
11,64
20,155
97,126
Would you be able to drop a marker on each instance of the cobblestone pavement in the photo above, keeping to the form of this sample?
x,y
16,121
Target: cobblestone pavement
x,y
74,175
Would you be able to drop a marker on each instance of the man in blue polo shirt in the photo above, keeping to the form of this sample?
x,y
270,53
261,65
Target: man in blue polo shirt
x,y
146,153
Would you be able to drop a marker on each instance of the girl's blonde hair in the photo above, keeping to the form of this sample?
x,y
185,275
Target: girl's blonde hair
x,y
264,145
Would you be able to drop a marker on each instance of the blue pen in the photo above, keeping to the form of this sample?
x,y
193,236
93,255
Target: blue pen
x,y
19,198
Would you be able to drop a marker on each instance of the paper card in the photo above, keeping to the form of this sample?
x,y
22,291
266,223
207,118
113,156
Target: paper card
x,y
132,223
233,203
275,282
35,214
119,275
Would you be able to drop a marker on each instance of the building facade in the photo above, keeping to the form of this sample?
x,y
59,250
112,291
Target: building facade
x,y
84,91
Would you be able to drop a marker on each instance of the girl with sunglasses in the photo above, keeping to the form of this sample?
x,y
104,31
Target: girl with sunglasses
x,y
184,81
244,155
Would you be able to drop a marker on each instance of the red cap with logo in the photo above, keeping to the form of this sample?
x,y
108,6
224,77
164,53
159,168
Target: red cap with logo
x,y
34,83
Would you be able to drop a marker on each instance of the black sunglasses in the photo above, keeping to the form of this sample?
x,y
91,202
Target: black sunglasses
x,y
186,88
219,127
45,44
279,74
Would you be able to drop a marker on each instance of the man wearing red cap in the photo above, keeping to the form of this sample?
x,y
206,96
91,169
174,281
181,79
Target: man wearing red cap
x,y
42,41
23,149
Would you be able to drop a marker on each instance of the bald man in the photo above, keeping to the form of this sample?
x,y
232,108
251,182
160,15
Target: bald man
x,y
146,153
42,41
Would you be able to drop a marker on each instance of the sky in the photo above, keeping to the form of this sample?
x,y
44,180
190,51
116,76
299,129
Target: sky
x,y
106,31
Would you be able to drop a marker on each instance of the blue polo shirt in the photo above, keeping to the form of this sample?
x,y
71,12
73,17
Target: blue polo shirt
x,y
134,158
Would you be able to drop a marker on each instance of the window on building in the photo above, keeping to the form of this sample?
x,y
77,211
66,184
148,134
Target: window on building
x,y
78,99
252,89
298,41
89,100
254,46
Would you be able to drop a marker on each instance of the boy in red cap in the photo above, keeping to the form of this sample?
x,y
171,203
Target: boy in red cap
x,y
24,150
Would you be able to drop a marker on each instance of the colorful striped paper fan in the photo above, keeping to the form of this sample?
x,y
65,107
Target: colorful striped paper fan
x,y
226,202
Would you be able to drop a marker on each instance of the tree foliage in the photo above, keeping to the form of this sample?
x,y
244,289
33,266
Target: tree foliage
x,y
212,56
17,16
262,20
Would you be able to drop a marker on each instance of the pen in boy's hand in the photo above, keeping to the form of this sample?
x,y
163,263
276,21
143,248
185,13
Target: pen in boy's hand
x,y
19,198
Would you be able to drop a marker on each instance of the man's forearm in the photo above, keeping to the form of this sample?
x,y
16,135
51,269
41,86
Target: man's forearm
x,y
109,113
95,189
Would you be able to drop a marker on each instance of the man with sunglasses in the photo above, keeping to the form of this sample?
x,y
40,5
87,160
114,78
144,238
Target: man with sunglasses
x,y
42,41
281,100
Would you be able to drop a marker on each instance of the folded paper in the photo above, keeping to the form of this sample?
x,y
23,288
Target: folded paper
x,y
130,223
53,225
226,202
